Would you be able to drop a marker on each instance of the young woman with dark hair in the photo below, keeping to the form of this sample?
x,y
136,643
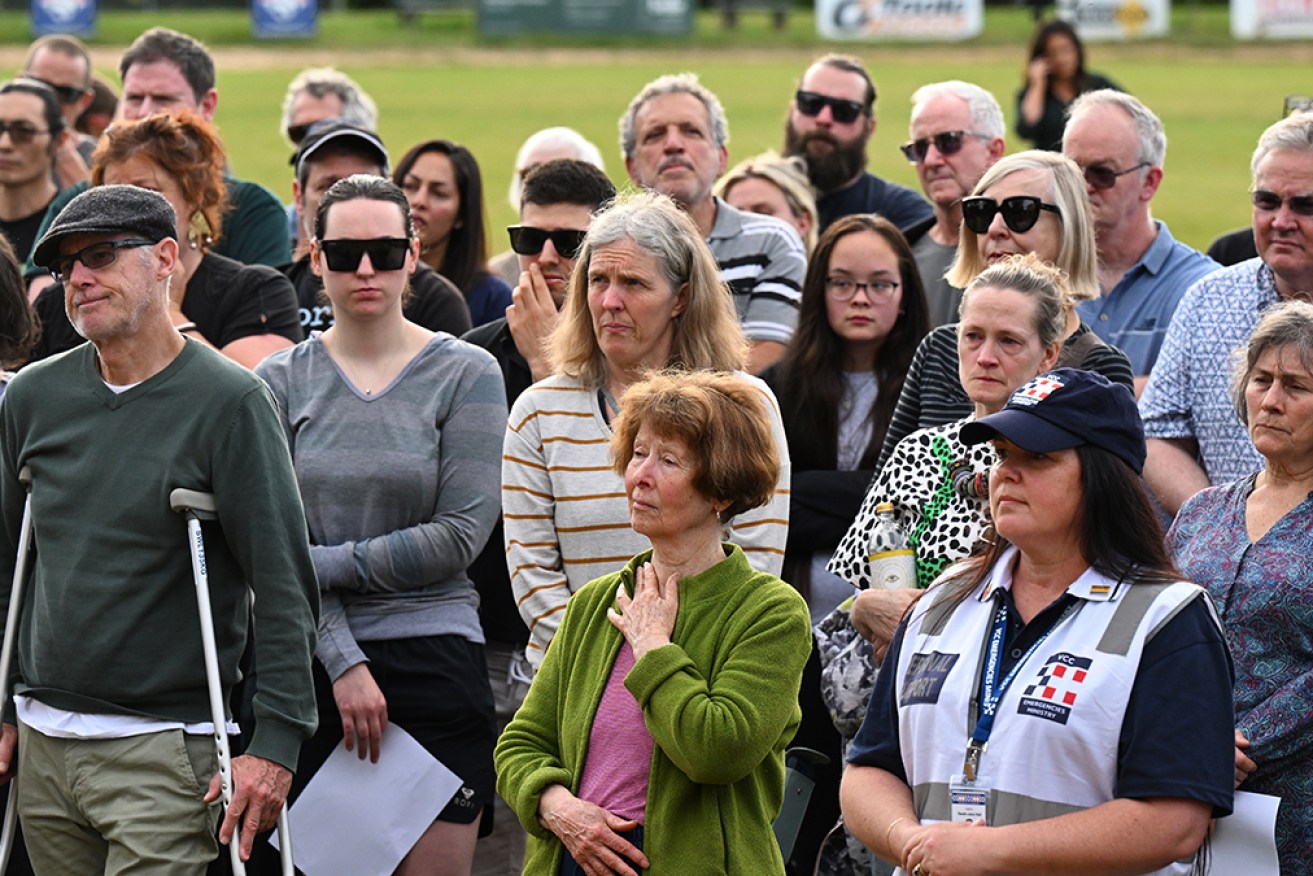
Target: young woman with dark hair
x,y
442,182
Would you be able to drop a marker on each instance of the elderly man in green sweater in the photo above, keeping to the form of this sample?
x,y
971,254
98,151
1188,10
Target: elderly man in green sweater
x,y
113,732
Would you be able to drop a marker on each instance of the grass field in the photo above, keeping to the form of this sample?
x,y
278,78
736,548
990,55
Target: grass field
x,y
436,79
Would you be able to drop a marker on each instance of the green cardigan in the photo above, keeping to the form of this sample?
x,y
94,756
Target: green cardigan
x,y
721,703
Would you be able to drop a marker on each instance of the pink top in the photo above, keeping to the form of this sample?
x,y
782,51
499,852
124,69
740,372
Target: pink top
x,y
619,758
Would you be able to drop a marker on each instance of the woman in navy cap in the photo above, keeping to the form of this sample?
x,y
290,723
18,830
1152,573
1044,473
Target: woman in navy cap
x,y
1042,689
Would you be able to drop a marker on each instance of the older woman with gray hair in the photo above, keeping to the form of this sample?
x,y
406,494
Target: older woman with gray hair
x,y
644,295
1249,543
1032,201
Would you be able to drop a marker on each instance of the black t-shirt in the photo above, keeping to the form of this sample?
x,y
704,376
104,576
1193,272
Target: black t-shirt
x,y
226,299
21,233
434,302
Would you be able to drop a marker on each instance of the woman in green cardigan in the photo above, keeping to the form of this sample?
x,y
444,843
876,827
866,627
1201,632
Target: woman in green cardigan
x,y
653,736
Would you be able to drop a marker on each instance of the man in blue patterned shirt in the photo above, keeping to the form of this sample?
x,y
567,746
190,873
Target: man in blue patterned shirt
x,y
1195,436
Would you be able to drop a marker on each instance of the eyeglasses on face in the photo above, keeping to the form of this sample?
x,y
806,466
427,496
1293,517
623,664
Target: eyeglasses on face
x,y
296,133
1020,212
1270,202
21,133
528,241
385,253
65,93
96,256
1103,177
947,142
844,288
845,112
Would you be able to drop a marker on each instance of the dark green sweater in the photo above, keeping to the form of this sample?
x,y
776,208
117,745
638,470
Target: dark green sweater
x,y
109,622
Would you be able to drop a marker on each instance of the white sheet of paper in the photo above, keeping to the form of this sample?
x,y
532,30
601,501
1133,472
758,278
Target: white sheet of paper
x,y
1245,841
361,818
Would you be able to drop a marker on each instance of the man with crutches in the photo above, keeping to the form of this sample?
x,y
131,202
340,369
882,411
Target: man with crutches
x,y
113,735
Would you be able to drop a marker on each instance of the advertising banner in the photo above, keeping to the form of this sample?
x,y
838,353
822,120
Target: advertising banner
x,y
284,18
76,17
1272,19
507,17
1117,19
873,20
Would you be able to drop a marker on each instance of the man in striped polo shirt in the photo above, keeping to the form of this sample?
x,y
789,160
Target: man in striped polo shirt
x,y
674,138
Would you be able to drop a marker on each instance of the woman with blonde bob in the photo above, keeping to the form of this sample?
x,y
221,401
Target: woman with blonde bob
x,y
774,186
653,736
1028,202
645,295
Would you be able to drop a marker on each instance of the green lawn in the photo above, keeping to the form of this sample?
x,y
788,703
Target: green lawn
x,y
438,79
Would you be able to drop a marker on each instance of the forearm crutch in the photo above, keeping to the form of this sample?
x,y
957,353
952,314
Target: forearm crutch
x,y
195,507
7,653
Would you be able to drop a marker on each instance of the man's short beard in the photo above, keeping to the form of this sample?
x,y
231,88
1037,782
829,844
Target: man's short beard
x,y
832,170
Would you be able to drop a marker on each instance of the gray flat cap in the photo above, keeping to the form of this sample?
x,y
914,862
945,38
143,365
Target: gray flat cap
x,y
109,210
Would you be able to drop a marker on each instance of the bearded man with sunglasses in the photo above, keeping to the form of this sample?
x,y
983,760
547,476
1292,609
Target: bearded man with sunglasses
x,y
831,119
1120,145
116,745
1195,437
332,150
957,134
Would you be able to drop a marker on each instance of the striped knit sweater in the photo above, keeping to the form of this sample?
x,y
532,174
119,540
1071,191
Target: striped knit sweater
x,y
566,518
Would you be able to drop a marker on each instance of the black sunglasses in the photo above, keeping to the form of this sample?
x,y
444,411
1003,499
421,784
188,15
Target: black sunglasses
x,y
1103,177
96,256
528,241
1020,212
296,133
21,133
809,103
1270,202
65,93
385,253
947,142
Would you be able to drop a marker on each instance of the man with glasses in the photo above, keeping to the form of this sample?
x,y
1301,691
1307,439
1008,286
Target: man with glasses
x,y
31,133
831,119
116,745
1120,145
1194,436
334,150
167,71
675,136
316,94
956,134
62,62
557,201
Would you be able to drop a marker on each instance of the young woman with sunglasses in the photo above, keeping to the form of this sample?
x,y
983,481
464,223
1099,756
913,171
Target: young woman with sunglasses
x,y
394,433
1032,201
443,185
1055,76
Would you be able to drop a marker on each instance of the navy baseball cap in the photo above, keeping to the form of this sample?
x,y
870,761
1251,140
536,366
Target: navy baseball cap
x,y
328,131
1066,408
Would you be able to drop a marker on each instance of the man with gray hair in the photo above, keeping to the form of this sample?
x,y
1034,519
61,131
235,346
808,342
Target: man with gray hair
x,y
1194,436
675,137
116,743
1120,146
319,93
956,135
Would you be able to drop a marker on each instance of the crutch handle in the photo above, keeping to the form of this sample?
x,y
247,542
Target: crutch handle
x,y
193,502
25,477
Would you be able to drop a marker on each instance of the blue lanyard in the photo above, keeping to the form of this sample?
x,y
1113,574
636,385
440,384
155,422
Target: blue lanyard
x,y
992,689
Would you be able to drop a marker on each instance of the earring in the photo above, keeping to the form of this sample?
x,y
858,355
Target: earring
x,y
198,232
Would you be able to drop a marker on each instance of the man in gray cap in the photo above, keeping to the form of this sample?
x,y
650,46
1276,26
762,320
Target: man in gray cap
x,y
332,150
111,705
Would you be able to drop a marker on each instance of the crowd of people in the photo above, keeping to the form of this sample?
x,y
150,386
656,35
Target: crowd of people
x,y
594,519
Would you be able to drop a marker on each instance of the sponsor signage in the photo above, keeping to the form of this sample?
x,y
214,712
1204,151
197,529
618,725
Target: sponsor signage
x,y
76,17
1117,19
1271,19
508,17
899,19
284,18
